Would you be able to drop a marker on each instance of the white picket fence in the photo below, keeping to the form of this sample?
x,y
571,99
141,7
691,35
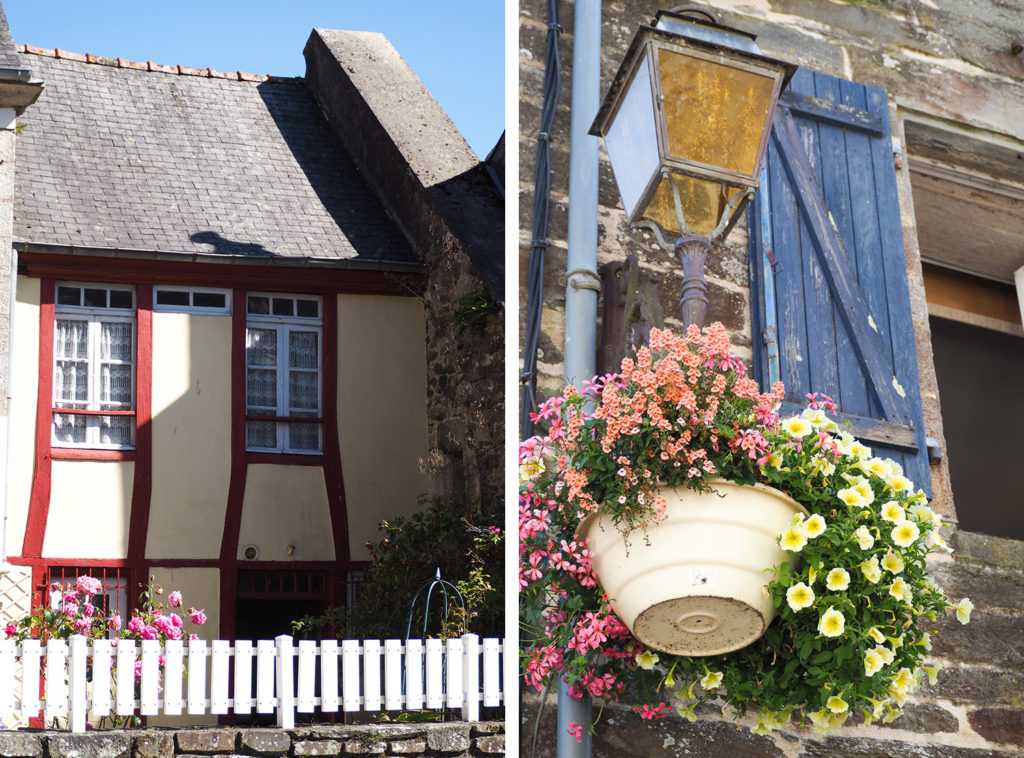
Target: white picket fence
x,y
194,677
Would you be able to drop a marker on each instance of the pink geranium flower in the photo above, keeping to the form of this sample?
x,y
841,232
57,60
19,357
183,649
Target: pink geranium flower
x,y
87,585
198,617
11,629
174,599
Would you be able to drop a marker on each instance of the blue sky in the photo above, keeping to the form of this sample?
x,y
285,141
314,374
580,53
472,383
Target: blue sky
x,y
455,46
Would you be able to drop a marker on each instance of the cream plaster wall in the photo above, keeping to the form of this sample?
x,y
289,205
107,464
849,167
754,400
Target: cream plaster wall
x,y
90,502
24,388
191,435
382,412
286,505
200,588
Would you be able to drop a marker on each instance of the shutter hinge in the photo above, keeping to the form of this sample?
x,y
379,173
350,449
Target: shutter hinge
x,y
776,264
897,157
770,342
934,449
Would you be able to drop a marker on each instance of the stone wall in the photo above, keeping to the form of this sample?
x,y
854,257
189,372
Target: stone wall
x,y
478,740
953,81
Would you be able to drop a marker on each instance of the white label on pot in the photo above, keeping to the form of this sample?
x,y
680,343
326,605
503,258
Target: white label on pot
x,y
703,578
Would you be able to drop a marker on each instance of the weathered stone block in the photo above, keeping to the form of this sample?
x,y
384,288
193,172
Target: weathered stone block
x,y
318,747
993,551
495,744
861,747
365,747
154,745
452,738
1003,725
487,727
20,745
989,638
925,718
628,734
984,585
265,741
980,686
113,745
408,747
206,740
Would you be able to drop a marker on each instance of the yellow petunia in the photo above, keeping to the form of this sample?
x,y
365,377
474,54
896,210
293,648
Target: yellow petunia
x,y
892,511
963,610
905,533
797,427
646,660
793,539
838,579
864,537
837,705
876,634
872,663
711,679
893,563
901,590
871,570
799,596
832,623
814,526
852,497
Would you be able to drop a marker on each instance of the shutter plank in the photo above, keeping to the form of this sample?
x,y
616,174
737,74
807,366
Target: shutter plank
x,y
837,268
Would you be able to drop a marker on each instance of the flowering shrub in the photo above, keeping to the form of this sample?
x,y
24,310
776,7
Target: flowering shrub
x,y
70,610
856,608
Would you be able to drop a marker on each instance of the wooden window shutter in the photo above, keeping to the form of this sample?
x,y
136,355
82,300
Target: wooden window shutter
x,y
829,273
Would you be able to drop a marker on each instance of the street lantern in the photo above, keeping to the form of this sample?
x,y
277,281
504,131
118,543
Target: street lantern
x,y
686,125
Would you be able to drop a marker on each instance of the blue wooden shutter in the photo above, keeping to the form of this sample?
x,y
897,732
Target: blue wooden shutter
x,y
829,272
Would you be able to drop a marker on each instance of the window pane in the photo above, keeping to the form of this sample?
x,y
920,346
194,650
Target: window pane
x,y
69,296
68,428
209,299
71,383
121,299
302,349
116,341
260,434
116,430
284,306
302,390
307,308
303,436
261,389
261,347
258,304
71,339
116,384
171,297
95,298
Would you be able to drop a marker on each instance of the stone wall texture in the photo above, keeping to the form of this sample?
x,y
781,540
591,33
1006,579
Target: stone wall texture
x,y
942,62
478,740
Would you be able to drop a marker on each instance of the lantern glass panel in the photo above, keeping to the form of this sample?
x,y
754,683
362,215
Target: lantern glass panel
x,y
715,114
703,203
632,139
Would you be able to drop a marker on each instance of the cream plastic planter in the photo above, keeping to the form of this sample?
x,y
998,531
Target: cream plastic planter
x,y
697,584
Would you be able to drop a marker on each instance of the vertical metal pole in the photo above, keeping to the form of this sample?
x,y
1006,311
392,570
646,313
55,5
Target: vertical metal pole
x,y
583,282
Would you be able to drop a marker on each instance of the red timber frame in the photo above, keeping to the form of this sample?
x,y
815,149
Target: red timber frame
x,y
144,274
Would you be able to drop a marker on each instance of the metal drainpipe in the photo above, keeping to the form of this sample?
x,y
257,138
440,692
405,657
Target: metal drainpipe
x,y
583,284
7,431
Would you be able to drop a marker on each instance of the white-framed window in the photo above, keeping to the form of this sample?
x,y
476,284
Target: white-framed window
x,y
283,359
192,300
94,367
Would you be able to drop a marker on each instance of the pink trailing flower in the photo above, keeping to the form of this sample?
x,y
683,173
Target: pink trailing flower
x,y
576,731
175,620
174,599
11,629
193,637
149,632
80,625
197,617
658,711
114,623
88,609
69,609
136,625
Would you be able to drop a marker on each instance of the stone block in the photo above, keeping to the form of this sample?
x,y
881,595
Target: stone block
x,y
863,747
269,742
112,745
925,718
492,745
987,587
1003,725
316,747
206,740
20,745
973,685
993,551
626,733
450,738
154,745
408,747
989,638
365,747
487,727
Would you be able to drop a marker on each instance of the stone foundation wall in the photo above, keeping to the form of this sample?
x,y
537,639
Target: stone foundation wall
x,y
478,740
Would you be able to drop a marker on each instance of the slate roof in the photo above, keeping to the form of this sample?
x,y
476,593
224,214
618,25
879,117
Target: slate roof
x,y
119,154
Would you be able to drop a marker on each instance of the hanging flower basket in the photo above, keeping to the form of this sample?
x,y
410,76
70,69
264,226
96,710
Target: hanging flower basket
x,y
697,584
